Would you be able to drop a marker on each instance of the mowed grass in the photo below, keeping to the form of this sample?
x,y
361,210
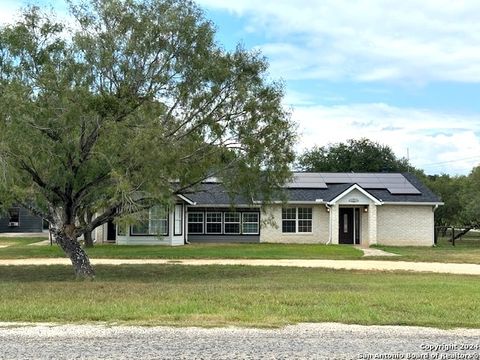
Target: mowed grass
x,y
235,295
192,251
466,250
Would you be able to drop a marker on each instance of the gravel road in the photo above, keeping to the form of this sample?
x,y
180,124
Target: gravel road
x,y
303,341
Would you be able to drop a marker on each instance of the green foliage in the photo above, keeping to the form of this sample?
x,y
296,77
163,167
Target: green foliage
x,y
361,155
131,104
460,195
470,197
449,189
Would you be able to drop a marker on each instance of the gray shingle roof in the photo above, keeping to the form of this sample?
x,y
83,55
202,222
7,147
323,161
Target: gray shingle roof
x,y
215,194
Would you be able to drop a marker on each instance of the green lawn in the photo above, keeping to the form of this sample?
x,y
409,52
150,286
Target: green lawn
x,y
236,295
197,251
466,250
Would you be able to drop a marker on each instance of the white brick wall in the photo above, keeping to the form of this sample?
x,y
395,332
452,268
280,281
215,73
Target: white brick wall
x,y
403,225
319,234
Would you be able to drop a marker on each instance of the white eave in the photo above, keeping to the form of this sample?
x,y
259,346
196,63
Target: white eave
x,y
187,200
226,205
359,188
431,203
316,201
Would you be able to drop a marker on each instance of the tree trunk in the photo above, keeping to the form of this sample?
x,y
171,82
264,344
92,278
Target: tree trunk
x,y
462,232
87,237
79,258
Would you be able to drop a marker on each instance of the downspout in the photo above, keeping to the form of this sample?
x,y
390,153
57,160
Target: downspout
x,y
185,225
435,207
329,224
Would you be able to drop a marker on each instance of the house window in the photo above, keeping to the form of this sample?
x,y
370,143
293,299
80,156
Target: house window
x,y
304,220
289,220
297,220
232,222
195,223
178,219
250,223
14,217
214,222
155,222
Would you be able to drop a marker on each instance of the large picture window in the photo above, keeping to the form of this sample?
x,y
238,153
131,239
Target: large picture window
x,y
297,220
224,222
195,223
214,222
154,222
250,223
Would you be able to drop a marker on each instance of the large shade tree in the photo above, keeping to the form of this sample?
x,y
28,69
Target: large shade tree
x,y
129,104
450,190
362,155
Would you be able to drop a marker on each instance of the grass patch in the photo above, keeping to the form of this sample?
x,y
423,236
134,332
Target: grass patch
x,y
193,251
237,295
466,250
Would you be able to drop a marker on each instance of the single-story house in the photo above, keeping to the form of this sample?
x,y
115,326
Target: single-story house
x,y
329,208
20,220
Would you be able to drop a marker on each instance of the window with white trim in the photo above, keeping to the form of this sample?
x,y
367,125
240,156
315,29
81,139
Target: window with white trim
x,y
154,222
289,220
178,220
232,223
250,223
297,220
195,222
214,222
304,220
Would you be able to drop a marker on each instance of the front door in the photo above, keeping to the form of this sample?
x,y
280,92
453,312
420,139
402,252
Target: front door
x,y
349,226
345,235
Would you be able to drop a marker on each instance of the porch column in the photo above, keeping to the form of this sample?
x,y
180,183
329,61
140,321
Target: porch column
x,y
334,214
372,224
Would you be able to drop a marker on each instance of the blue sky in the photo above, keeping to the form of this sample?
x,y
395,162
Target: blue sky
x,y
403,73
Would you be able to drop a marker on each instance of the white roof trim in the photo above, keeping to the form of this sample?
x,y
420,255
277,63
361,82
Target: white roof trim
x,y
225,206
187,200
359,188
412,203
315,202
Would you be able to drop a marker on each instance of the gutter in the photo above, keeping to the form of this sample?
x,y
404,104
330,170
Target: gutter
x,y
327,205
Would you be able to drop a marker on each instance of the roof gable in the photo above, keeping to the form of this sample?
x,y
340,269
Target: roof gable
x,y
352,190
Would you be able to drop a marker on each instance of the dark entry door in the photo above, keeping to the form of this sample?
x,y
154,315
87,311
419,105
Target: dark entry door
x,y
346,226
111,231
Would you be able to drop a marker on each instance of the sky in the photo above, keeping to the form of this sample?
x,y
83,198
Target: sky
x,y
402,73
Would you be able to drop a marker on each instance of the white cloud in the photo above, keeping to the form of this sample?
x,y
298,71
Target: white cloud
x,y
9,10
437,142
366,40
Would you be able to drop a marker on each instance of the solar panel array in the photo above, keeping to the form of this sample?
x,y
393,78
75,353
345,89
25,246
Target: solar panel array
x,y
394,183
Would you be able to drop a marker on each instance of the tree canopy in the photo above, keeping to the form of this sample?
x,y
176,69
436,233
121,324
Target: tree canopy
x,y
361,155
130,104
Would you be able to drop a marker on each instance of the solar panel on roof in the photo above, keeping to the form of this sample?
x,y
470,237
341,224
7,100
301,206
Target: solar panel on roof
x,y
394,183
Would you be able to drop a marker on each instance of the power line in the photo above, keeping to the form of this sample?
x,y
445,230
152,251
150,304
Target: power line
x,y
451,161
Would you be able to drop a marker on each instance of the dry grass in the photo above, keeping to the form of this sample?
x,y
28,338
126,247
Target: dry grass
x,y
236,295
